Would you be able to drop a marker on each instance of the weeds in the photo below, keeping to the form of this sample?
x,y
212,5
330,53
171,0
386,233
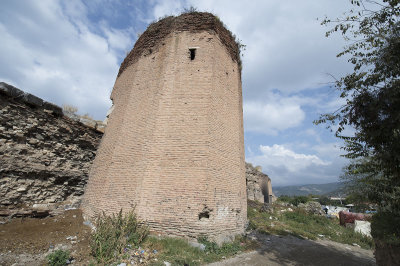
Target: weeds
x,y
58,258
115,233
179,252
300,224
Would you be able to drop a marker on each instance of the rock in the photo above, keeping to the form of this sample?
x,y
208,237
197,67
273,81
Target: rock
x,y
312,207
72,238
363,227
43,207
32,99
21,189
258,185
267,208
54,108
9,90
166,263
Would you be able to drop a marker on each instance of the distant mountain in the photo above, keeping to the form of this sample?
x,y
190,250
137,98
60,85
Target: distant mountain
x,y
329,189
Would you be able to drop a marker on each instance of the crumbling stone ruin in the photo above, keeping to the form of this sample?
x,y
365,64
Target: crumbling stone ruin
x,y
258,185
173,146
34,151
44,156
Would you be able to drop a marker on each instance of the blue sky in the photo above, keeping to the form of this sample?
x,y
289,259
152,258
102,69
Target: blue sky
x,y
69,52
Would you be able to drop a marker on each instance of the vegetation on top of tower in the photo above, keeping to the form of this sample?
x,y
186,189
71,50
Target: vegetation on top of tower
x,y
190,20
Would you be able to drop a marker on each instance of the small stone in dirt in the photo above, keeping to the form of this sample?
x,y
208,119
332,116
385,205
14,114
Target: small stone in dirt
x,y
72,238
356,245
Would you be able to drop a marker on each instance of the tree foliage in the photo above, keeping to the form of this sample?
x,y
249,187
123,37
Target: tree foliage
x,y
372,95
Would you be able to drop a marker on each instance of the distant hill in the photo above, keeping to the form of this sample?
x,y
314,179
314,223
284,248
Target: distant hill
x,y
329,189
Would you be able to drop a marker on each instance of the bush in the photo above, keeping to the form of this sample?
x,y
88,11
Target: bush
x,y
114,233
294,200
285,198
226,248
58,257
70,109
299,199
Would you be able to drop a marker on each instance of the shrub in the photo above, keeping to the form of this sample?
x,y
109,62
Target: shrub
x,y
284,198
225,249
295,200
114,233
58,257
299,199
69,108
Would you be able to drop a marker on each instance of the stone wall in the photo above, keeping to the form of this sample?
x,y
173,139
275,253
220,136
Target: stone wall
x,y
44,156
258,185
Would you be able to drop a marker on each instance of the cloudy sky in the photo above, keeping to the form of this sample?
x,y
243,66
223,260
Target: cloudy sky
x,y
69,52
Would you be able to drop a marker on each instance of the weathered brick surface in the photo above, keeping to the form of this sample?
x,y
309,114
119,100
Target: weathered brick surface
x,y
173,146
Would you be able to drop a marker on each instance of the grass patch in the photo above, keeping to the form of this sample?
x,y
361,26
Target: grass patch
x,y
58,258
178,251
298,223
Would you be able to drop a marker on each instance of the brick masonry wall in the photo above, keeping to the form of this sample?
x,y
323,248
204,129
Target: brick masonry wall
x,y
173,147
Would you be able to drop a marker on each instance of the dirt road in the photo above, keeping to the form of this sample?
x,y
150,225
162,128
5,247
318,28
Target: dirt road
x,y
289,250
27,241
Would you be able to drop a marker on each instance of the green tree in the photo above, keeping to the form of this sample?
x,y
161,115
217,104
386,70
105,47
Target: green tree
x,y
372,95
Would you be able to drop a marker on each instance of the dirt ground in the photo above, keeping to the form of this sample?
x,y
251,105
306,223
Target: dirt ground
x,y
27,241
289,250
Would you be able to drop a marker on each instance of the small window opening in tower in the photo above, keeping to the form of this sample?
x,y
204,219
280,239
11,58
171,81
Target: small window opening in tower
x,y
192,53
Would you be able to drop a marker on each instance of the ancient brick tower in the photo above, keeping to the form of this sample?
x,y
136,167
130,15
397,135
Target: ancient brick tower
x,y
173,146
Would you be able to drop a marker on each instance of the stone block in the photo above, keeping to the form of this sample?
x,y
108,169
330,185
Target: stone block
x,y
363,227
10,90
52,107
32,100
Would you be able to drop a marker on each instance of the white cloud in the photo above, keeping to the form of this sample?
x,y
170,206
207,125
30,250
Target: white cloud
x,y
51,51
286,47
287,167
58,51
163,8
278,154
270,118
